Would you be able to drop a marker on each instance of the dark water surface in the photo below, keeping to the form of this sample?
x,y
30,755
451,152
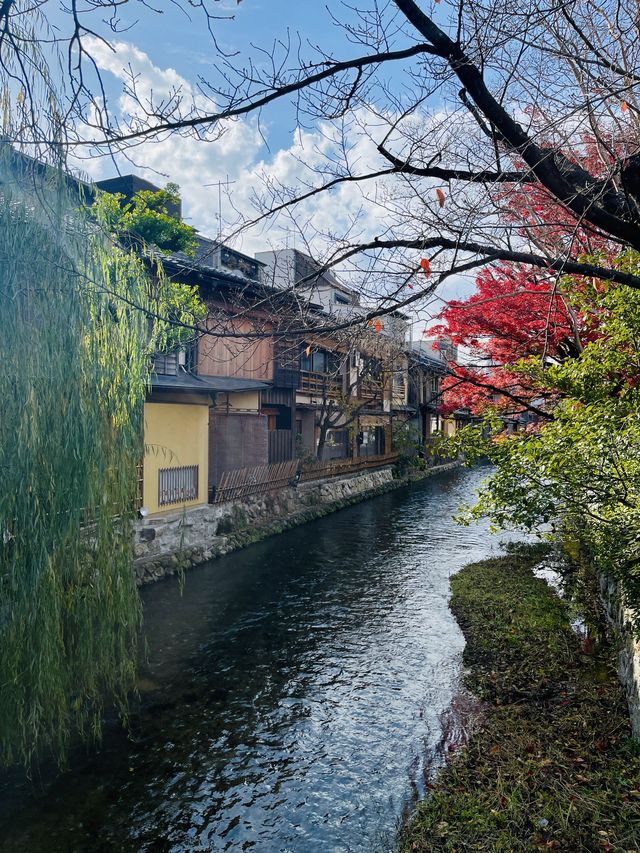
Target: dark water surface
x,y
292,696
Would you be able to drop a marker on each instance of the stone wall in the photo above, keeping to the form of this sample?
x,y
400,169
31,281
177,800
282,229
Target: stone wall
x,y
629,648
175,541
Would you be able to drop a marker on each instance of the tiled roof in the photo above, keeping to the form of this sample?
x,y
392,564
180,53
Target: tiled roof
x,y
205,384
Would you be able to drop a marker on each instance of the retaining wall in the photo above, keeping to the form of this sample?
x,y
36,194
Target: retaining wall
x,y
176,541
629,648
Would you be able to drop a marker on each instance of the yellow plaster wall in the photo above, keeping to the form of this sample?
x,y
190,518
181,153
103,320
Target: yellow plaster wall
x,y
175,434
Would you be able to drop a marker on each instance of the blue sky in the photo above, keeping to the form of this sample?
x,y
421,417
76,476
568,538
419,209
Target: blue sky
x,y
167,50
172,39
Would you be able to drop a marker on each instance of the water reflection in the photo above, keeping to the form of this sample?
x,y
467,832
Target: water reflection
x,y
291,695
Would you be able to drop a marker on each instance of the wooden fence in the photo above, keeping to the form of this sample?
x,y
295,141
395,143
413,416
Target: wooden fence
x,y
334,467
244,482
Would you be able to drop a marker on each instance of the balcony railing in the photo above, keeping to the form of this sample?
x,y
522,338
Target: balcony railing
x,y
320,383
370,389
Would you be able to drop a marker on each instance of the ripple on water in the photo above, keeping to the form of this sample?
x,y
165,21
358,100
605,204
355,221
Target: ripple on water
x,y
295,693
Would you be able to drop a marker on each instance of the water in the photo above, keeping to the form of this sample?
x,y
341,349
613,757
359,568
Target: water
x,y
292,698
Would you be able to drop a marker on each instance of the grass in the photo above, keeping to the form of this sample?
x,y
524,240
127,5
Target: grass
x,y
554,766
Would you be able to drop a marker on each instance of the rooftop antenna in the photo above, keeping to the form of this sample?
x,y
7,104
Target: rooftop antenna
x,y
220,184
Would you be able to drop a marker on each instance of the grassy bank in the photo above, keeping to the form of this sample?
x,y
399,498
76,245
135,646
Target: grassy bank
x,y
554,765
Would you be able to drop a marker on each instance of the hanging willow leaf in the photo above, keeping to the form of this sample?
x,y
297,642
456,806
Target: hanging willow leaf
x,y
72,386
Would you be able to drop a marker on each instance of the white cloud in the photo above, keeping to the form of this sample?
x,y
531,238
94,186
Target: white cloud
x,y
239,155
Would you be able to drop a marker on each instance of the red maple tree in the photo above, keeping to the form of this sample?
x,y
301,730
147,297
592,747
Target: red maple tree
x,y
516,311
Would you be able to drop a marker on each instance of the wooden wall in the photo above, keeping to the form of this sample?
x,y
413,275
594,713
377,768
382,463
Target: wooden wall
x,y
236,441
248,358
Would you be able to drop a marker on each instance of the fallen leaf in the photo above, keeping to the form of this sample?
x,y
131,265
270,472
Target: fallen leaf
x,y
587,645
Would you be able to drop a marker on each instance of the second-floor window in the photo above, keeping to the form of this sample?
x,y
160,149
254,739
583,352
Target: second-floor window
x,y
371,369
179,361
320,361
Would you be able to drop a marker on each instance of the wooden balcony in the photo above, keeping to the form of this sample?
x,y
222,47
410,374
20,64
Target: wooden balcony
x,y
320,383
370,389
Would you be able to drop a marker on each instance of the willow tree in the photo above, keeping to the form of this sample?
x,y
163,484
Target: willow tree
x,y
77,323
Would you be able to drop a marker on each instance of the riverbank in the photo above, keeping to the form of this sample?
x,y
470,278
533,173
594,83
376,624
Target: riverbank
x,y
174,542
553,765
286,689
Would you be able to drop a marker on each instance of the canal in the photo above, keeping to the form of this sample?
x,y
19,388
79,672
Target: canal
x,y
292,696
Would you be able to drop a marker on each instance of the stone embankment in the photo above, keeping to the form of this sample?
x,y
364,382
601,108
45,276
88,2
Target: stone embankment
x,y
620,618
176,541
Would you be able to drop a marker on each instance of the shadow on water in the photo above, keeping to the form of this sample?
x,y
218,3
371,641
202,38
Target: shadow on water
x,y
291,697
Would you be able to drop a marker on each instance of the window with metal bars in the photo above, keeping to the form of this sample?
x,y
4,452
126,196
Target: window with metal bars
x,y
177,485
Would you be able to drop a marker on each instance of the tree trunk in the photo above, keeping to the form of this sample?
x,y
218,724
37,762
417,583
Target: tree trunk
x,y
322,438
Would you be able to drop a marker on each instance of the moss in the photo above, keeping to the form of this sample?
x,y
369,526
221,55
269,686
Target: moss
x,y
225,526
554,765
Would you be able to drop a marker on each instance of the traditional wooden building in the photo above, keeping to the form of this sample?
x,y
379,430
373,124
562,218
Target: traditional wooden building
x,y
247,394
357,380
426,371
251,418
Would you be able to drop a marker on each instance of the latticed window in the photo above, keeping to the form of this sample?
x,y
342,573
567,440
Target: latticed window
x,y
398,383
177,485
